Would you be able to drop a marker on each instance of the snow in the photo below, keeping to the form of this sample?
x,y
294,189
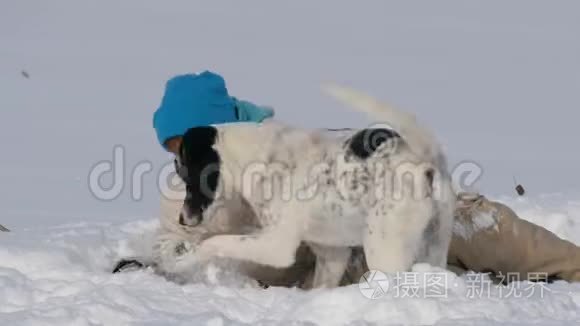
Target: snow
x,y
497,82
60,275
480,221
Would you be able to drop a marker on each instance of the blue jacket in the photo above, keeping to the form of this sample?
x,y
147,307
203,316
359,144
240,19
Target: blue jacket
x,y
199,100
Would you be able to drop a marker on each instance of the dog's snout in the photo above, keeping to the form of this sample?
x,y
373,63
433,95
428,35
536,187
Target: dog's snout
x,y
186,218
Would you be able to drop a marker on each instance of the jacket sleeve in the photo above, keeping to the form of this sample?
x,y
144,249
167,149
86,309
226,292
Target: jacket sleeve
x,y
248,111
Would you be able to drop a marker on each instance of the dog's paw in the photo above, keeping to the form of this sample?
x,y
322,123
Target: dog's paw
x,y
185,253
207,250
183,248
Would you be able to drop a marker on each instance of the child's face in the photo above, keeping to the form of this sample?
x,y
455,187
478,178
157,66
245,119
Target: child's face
x,y
173,145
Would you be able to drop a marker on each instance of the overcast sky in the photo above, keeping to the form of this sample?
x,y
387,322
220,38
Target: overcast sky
x,y
498,82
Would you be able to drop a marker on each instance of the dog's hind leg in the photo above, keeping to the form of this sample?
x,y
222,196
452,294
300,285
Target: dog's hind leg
x,y
331,263
273,246
436,239
394,234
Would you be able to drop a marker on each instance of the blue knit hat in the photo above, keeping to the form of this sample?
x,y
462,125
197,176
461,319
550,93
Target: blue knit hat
x,y
192,101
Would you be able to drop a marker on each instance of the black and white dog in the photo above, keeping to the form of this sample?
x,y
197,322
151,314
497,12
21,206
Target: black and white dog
x,y
387,190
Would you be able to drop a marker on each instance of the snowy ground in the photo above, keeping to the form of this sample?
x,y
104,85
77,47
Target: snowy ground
x,y
497,81
60,275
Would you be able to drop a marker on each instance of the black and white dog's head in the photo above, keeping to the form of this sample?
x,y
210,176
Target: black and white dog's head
x,y
198,165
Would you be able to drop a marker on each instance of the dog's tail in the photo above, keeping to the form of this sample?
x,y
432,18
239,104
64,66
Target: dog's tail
x,y
419,139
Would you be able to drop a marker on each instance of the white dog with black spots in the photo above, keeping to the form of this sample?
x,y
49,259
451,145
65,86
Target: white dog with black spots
x,y
387,190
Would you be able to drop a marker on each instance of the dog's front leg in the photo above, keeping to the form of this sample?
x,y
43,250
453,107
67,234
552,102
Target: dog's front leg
x,y
174,251
331,263
394,234
273,246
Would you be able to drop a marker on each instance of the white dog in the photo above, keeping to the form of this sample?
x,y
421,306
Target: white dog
x,y
388,191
